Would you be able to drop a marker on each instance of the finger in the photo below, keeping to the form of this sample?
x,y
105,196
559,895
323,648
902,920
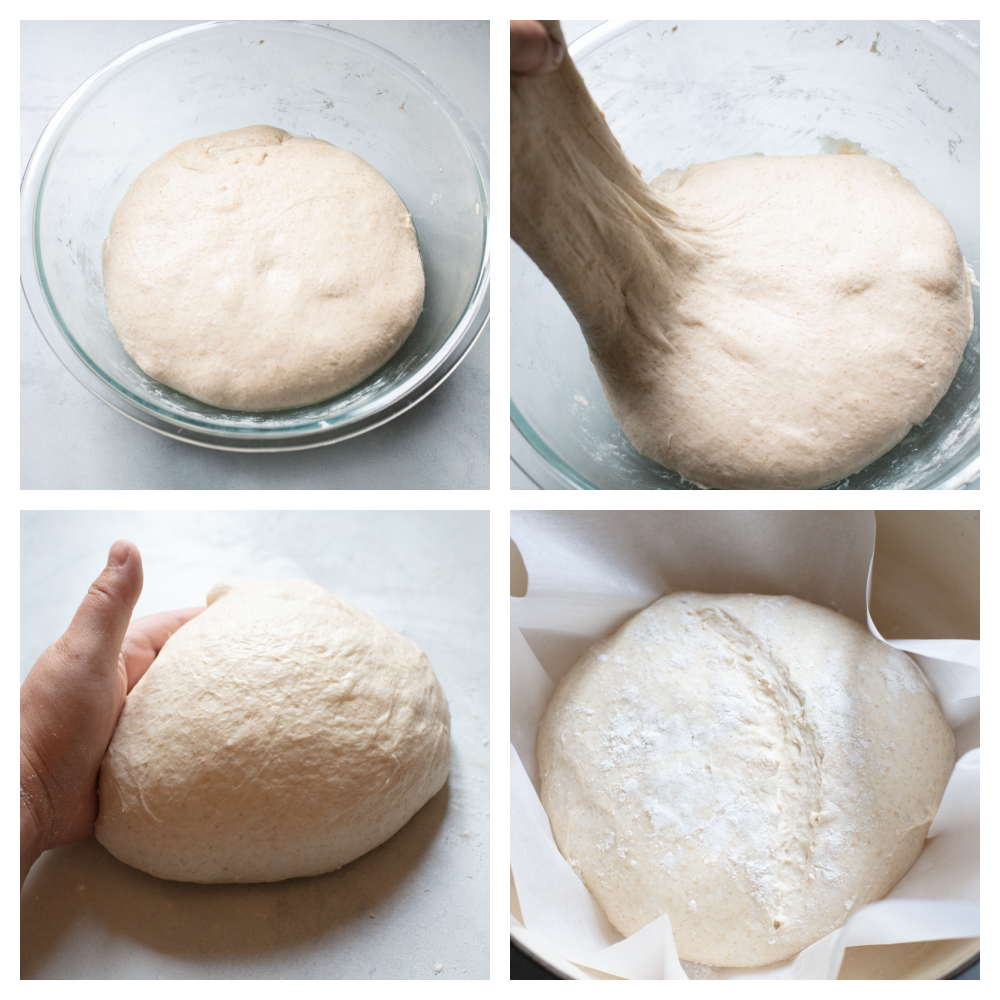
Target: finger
x,y
146,637
94,638
533,51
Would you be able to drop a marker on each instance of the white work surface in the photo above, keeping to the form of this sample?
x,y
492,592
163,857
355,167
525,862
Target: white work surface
x,y
419,901
572,30
71,440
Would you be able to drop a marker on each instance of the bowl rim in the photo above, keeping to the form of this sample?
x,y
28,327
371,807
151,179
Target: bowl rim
x,y
550,472
193,428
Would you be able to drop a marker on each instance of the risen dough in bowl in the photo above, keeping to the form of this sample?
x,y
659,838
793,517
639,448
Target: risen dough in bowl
x,y
282,732
755,767
255,270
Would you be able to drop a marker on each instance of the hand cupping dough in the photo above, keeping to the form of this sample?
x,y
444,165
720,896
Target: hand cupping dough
x,y
755,767
255,270
282,732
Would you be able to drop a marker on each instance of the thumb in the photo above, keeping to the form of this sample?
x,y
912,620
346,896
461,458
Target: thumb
x,y
94,637
533,51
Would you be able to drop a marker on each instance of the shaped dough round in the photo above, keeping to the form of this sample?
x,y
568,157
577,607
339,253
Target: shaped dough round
x,y
282,732
255,270
755,767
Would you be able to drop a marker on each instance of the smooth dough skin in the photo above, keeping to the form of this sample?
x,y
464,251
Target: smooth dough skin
x,y
755,767
282,732
255,270
760,322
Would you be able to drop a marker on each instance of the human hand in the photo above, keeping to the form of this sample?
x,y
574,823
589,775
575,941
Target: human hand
x,y
71,700
533,51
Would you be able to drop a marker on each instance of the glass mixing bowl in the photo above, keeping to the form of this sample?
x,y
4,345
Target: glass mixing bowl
x,y
678,93
309,80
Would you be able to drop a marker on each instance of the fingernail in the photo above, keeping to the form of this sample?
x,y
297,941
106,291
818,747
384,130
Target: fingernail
x,y
118,555
556,51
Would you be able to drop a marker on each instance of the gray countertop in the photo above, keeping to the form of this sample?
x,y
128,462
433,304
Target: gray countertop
x,y
418,902
71,440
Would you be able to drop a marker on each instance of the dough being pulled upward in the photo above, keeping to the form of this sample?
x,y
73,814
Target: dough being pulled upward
x,y
757,768
759,322
282,732
255,270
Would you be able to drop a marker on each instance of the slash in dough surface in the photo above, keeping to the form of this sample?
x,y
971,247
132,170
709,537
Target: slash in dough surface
x,y
755,767
255,270
282,732
759,322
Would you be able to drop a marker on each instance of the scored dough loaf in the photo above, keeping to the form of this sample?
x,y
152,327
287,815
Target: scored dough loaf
x,y
755,767
282,732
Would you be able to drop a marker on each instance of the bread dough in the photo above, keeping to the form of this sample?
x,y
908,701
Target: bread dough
x,y
282,732
760,322
755,767
255,270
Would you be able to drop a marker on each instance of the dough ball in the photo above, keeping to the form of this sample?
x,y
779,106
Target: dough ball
x,y
282,732
255,270
755,767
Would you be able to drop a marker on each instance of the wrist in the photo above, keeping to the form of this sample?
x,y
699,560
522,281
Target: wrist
x,y
34,807
31,842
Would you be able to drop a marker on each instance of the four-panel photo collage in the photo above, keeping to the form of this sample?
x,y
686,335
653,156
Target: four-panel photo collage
x,y
293,369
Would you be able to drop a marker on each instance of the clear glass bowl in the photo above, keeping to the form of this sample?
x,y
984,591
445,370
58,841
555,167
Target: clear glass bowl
x,y
309,80
907,92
